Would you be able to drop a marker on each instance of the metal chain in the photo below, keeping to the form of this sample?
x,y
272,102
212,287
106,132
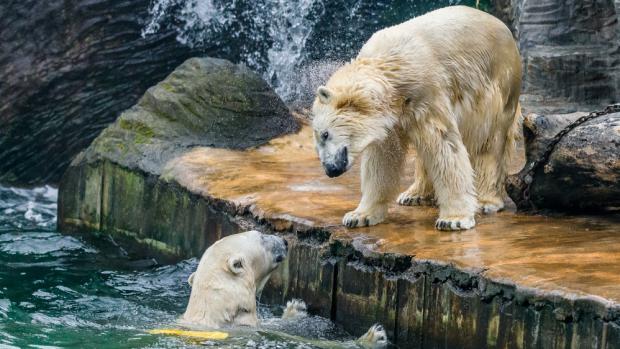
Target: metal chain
x,y
544,157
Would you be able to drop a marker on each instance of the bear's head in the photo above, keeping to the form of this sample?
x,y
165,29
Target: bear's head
x,y
230,275
350,113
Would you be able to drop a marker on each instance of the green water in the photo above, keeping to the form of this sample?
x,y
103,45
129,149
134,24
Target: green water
x,y
60,291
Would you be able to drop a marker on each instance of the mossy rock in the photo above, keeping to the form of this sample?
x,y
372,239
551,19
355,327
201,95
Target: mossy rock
x,y
204,102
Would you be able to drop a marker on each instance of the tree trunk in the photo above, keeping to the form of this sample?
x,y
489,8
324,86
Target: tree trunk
x,y
582,172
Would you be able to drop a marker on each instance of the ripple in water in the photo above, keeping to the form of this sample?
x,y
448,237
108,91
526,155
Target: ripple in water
x,y
59,291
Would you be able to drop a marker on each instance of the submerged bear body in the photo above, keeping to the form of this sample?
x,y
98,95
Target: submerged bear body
x,y
447,84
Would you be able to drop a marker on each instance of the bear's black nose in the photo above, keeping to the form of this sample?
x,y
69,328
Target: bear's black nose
x,y
279,258
333,171
339,166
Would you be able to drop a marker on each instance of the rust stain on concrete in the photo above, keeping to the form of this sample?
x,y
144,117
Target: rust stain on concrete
x,y
283,181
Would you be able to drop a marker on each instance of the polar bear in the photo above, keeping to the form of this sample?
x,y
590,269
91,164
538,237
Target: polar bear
x,y
231,274
446,83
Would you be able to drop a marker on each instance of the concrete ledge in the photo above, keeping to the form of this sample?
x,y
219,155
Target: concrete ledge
x,y
429,289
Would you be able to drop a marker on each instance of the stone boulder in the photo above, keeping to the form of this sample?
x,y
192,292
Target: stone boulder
x,y
204,102
582,172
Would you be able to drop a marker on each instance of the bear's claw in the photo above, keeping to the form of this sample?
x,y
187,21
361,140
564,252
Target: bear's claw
x,y
355,219
406,199
455,223
295,308
374,338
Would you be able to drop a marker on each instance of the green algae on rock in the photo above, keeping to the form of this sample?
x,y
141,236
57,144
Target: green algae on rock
x,y
204,102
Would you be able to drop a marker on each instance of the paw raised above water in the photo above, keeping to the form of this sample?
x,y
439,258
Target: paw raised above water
x,y
295,308
374,338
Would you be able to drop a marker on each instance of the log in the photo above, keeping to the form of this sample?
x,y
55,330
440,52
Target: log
x,y
582,173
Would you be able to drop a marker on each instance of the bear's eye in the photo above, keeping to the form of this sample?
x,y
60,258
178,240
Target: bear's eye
x,y
324,135
238,265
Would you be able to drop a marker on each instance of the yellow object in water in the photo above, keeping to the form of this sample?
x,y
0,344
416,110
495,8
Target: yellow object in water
x,y
216,335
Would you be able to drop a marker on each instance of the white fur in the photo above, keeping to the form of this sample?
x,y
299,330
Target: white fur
x,y
374,338
230,274
295,309
446,83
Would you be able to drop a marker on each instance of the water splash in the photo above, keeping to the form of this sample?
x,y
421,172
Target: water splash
x,y
34,207
199,19
271,34
284,40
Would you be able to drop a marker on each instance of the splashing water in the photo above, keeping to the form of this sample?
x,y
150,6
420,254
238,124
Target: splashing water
x,y
287,41
282,24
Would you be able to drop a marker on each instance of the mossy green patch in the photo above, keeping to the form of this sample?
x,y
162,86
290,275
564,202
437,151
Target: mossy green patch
x,y
141,129
167,86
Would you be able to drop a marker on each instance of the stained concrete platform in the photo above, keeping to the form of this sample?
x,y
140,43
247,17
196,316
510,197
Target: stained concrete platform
x,y
515,281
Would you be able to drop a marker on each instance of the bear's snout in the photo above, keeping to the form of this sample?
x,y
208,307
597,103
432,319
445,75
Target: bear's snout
x,y
339,164
277,246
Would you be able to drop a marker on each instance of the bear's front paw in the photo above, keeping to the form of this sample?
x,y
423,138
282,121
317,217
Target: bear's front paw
x,y
374,338
356,218
408,199
295,308
455,223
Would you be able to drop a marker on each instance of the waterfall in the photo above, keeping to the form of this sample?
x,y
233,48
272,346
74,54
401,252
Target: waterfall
x,y
294,44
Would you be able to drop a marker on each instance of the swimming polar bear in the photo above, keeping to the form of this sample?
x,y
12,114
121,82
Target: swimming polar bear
x,y
447,83
230,275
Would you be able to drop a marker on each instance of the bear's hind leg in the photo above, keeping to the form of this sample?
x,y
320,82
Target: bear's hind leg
x,y
490,176
421,191
491,164
380,175
447,162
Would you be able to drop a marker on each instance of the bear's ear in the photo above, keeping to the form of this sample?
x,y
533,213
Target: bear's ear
x,y
236,264
190,279
324,94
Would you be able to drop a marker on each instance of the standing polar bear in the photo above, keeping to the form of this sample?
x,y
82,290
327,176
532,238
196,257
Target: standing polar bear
x,y
448,84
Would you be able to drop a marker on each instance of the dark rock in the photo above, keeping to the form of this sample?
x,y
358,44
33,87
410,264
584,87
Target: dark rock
x,y
583,170
67,69
204,102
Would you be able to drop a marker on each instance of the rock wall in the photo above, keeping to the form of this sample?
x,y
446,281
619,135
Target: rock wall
x,y
571,53
67,69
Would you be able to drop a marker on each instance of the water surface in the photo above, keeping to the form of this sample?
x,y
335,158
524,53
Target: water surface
x,y
59,291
